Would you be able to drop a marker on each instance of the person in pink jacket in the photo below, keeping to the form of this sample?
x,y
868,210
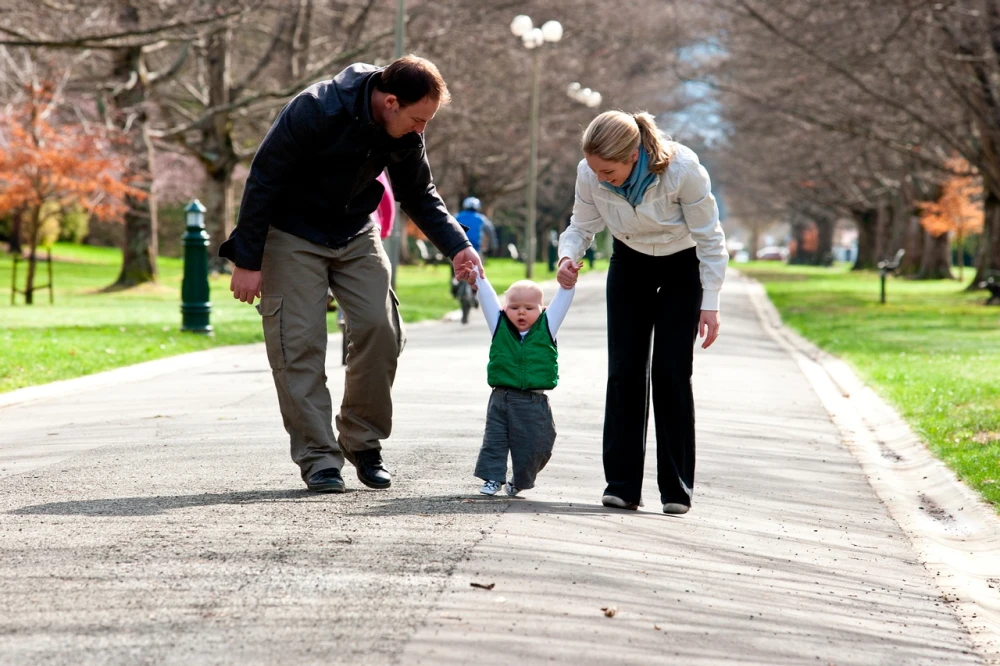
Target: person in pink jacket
x,y
385,214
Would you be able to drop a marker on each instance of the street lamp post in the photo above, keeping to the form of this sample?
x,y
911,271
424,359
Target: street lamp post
x,y
532,38
195,306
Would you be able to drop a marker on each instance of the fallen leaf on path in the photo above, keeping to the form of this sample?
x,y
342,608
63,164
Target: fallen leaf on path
x,y
610,611
482,586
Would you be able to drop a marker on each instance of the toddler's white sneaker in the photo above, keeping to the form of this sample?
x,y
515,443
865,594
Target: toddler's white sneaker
x,y
490,488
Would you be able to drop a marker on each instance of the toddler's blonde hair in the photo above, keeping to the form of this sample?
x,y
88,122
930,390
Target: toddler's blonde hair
x,y
527,285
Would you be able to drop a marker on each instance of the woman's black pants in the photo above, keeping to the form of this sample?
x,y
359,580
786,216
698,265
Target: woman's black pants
x,y
654,304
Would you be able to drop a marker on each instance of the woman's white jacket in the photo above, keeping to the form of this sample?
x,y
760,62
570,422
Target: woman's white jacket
x,y
677,212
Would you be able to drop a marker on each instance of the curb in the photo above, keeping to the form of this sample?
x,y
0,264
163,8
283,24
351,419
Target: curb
x,y
122,375
953,530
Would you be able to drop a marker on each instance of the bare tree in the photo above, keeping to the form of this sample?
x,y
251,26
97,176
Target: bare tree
x,y
125,33
242,73
479,144
905,77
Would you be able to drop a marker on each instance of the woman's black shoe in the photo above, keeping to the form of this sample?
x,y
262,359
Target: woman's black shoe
x,y
326,481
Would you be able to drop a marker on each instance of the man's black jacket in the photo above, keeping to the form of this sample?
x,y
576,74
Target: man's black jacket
x,y
314,174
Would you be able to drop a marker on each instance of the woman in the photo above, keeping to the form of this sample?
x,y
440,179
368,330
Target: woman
x,y
667,269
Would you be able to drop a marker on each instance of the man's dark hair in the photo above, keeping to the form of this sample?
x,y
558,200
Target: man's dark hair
x,y
412,78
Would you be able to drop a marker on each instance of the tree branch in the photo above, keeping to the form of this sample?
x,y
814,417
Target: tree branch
x,y
853,78
263,62
292,89
174,69
128,38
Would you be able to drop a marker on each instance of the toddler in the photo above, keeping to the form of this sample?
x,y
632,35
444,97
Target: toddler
x,y
523,365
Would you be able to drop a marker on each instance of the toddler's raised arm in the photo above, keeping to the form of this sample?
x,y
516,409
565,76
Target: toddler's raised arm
x,y
488,302
558,308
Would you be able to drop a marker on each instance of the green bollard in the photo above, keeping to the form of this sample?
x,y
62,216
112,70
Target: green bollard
x,y
195,306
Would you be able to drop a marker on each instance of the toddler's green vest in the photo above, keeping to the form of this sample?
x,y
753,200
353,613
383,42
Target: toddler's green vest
x,y
531,363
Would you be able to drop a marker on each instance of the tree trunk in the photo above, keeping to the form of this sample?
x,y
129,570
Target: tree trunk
x,y
15,232
799,227
295,40
404,242
824,248
866,220
140,243
914,247
960,244
216,150
33,233
754,239
911,232
936,261
220,210
884,219
899,221
988,256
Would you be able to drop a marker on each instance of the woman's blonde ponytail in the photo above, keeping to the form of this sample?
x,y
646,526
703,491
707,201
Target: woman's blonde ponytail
x,y
653,142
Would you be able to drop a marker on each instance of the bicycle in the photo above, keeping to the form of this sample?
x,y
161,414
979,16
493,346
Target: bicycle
x,y
332,306
462,291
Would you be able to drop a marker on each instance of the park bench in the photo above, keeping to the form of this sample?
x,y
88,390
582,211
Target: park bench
x,y
887,267
426,255
992,283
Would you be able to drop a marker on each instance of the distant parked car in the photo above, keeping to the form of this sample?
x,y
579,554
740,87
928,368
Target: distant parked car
x,y
772,253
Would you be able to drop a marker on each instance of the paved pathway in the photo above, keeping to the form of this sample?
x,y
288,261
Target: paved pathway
x,y
154,518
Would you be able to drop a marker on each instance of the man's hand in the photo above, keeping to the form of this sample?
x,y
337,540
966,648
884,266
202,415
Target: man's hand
x,y
245,285
708,327
568,273
461,261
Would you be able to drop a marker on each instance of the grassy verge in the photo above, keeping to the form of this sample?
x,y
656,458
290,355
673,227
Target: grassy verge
x,y
932,350
89,329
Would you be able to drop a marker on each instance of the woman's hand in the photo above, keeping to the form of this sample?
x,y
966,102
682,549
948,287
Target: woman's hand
x,y
708,327
568,273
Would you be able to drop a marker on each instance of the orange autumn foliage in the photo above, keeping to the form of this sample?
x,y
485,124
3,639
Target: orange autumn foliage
x,y
959,209
69,165
413,231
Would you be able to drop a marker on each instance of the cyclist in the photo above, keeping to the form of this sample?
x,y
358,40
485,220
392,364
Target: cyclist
x,y
478,228
478,225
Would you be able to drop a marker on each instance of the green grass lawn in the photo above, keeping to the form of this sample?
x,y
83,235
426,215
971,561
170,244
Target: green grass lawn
x,y
88,329
932,350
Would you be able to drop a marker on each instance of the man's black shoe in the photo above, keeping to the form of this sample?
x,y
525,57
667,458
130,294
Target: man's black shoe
x,y
326,481
371,470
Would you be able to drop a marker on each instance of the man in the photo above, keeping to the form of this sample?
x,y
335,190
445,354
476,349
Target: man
x,y
304,226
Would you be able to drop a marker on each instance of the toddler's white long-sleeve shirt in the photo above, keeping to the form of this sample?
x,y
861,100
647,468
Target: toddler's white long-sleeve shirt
x,y
489,303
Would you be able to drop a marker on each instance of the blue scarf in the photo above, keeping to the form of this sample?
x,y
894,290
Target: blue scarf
x,y
637,182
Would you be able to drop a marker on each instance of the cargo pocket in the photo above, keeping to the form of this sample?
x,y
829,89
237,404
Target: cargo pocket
x,y
398,322
270,313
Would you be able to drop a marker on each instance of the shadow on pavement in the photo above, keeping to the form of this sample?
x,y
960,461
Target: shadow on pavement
x,y
456,504
148,506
